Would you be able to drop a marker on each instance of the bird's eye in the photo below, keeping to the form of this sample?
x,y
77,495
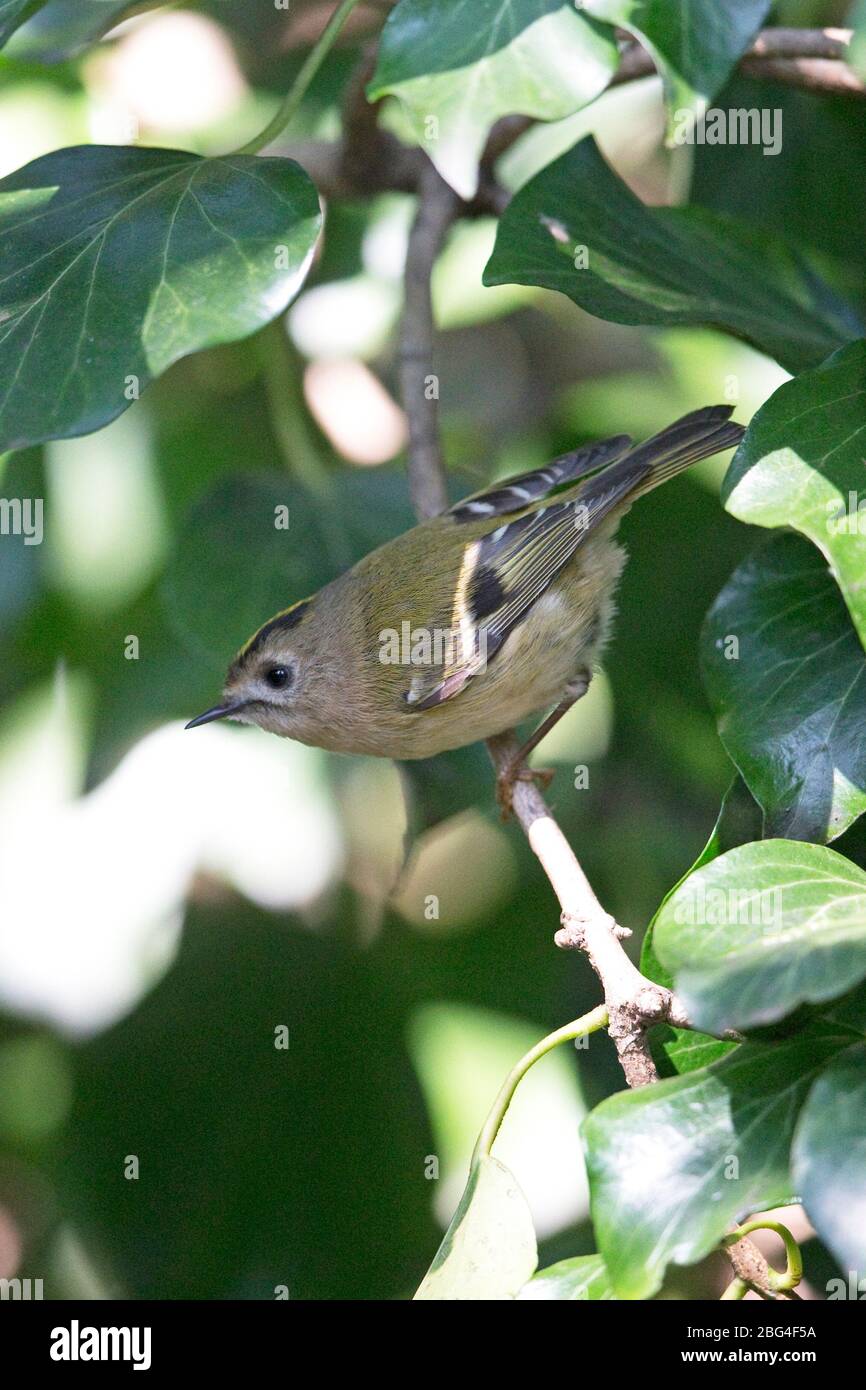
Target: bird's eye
x,y
278,677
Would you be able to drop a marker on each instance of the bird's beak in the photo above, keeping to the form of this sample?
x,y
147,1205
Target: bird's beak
x,y
218,712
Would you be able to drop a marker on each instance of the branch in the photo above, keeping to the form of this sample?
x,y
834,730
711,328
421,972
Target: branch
x,y
437,208
634,1003
749,1265
810,58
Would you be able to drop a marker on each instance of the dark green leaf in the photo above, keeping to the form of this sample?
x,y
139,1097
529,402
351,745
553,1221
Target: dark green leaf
x,y
458,65
785,675
489,1249
578,229
582,1279
739,821
801,465
763,929
674,1165
13,13
115,262
829,1157
822,164
694,45
64,27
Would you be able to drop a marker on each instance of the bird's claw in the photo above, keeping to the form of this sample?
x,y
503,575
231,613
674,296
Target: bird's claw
x,y
519,772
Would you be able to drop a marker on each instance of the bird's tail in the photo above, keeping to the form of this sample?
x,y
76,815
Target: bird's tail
x,y
698,435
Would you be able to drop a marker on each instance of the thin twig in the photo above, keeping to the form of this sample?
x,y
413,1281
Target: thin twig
x,y
811,58
749,1264
437,208
634,1002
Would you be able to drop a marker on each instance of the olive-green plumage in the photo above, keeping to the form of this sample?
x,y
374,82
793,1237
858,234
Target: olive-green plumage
x,y
467,624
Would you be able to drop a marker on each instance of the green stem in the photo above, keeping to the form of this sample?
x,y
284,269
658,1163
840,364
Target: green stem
x,y
299,87
590,1023
783,1283
738,1288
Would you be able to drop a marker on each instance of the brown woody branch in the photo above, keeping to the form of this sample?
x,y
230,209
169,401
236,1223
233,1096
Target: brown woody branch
x,y
810,58
437,208
634,1003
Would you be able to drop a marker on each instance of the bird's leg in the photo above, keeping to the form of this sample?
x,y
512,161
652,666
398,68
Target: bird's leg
x,y
516,770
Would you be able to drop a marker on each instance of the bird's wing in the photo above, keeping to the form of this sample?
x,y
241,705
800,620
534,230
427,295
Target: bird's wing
x,y
517,493
504,573
507,570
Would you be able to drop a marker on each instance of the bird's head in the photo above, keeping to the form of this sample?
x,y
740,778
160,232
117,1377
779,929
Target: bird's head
x,y
270,682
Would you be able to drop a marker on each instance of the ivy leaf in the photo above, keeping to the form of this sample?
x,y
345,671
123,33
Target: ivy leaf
x,y
694,45
489,1250
578,229
116,261
829,1157
458,65
62,28
763,929
823,164
739,821
674,1165
13,13
801,464
582,1279
786,676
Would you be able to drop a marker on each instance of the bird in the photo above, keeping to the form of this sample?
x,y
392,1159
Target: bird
x,y
471,622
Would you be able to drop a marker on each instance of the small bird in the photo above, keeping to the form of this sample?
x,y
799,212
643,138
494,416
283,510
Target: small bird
x,y
469,623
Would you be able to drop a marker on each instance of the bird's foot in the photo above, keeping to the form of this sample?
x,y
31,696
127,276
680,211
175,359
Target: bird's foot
x,y
519,772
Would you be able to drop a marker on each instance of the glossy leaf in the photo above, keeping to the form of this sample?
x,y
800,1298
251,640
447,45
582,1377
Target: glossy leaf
x,y
739,821
489,1250
763,929
829,1158
695,45
61,28
582,1279
13,13
822,164
801,465
672,1166
115,262
578,229
458,65
786,676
